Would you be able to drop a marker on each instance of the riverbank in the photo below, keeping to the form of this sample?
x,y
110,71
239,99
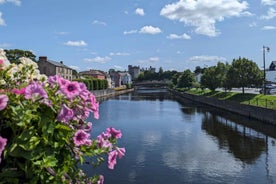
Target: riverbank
x,y
259,113
109,92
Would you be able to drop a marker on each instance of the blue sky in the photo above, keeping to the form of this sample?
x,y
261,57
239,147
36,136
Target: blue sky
x,y
172,34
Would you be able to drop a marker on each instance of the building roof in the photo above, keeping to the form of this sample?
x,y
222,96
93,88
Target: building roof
x,y
59,64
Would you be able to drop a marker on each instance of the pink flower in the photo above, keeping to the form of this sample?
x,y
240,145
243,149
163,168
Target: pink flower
x,y
114,133
65,114
70,89
3,142
82,138
3,101
19,91
101,180
35,91
121,152
112,159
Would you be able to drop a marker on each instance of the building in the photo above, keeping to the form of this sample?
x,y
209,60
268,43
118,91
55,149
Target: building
x,y
125,78
116,78
50,68
97,74
271,73
134,71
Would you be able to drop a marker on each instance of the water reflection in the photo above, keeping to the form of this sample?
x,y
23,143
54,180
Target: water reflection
x,y
238,140
172,142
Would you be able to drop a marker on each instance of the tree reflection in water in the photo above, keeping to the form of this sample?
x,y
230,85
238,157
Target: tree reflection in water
x,y
234,138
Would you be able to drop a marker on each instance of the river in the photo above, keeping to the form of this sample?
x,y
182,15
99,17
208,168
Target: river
x,y
168,142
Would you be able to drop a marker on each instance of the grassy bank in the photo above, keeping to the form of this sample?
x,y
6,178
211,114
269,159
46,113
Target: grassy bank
x,y
260,100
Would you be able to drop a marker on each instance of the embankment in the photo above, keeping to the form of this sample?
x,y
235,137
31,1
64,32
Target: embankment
x,y
259,113
109,92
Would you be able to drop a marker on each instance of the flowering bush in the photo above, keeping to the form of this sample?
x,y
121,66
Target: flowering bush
x,y
44,135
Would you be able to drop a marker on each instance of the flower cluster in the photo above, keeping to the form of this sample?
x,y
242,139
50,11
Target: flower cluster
x,y
44,135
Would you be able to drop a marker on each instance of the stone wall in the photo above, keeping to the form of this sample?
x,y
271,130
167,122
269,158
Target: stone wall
x,y
109,92
259,113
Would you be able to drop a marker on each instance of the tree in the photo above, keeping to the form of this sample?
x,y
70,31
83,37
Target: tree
x,y
244,73
209,79
186,79
215,76
13,55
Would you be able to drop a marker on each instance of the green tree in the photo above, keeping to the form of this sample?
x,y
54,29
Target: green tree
x,y
244,73
13,55
186,79
215,76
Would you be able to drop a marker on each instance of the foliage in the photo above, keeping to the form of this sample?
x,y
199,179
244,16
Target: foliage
x,y
44,135
160,75
186,79
244,73
260,100
215,76
94,84
13,55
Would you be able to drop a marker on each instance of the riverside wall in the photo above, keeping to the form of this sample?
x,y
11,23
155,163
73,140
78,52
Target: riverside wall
x,y
259,113
109,92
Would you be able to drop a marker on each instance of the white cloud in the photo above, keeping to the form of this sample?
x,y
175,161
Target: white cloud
x,y
206,58
99,22
62,33
76,43
203,14
98,59
175,36
126,12
268,2
271,13
119,54
2,21
153,59
269,28
253,24
16,2
130,32
117,67
150,30
75,67
140,11
5,45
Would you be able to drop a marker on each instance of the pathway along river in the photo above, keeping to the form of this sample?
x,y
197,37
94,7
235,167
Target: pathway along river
x,y
168,142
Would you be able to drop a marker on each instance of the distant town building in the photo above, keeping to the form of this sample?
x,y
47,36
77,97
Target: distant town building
x,y
134,71
150,69
116,78
125,78
97,74
272,66
271,73
50,68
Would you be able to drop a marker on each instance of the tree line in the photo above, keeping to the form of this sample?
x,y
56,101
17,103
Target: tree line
x,y
241,73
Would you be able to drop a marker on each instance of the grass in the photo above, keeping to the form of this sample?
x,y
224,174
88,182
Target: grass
x,y
266,101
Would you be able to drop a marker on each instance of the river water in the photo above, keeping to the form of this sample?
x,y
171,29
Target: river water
x,y
168,142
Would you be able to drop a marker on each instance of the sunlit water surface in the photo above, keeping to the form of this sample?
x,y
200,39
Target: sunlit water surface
x,y
168,142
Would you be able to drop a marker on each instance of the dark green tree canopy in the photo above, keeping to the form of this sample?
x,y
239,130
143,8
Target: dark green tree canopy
x,y
13,55
186,79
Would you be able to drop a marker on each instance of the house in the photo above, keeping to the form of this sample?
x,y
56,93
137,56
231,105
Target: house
x,y
272,66
97,74
125,78
50,68
134,71
116,78
271,73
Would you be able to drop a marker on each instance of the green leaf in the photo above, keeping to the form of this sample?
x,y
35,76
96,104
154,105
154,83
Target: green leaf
x,y
31,144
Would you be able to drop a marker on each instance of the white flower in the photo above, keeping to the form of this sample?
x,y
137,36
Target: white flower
x,y
4,58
